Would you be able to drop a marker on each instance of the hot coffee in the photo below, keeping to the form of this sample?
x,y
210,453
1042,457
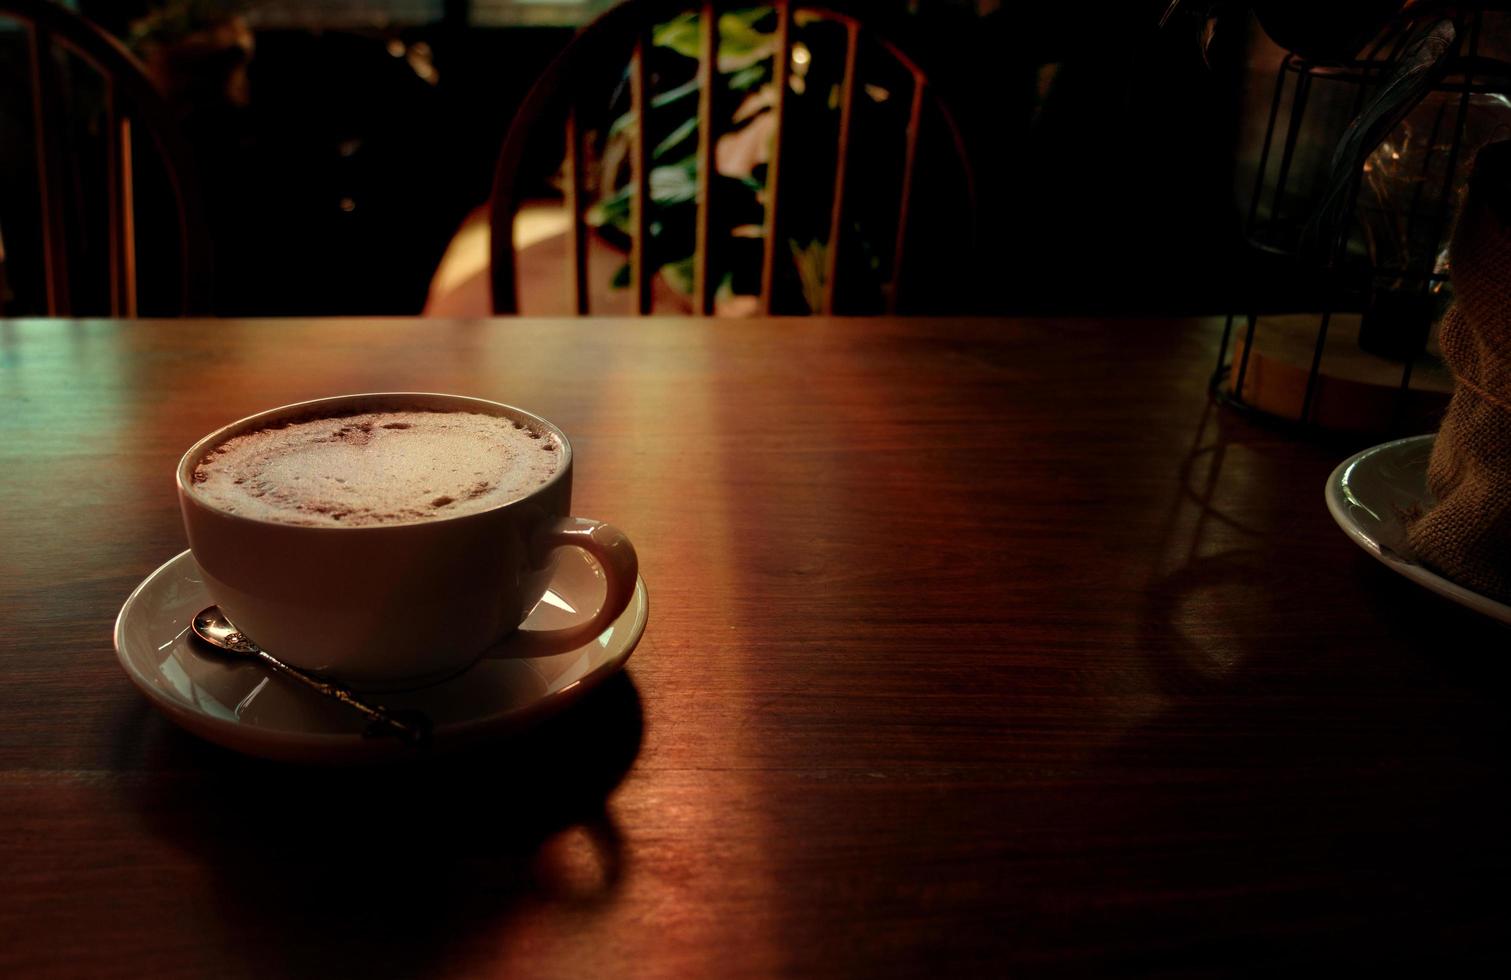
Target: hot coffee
x,y
377,468
349,565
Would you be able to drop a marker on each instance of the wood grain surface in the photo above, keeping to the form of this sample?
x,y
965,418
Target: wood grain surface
x,y
977,648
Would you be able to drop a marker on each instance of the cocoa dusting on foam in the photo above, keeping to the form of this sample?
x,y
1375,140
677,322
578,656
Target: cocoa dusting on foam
x,y
377,468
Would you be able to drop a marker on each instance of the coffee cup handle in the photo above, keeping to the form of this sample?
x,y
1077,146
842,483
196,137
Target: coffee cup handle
x,y
611,549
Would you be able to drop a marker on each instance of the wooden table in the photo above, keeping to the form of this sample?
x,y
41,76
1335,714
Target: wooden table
x,y
976,648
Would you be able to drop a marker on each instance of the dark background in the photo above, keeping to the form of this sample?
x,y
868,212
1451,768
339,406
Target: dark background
x,y
336,188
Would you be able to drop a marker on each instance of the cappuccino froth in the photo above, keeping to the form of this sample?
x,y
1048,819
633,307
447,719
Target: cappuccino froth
x,y
389,467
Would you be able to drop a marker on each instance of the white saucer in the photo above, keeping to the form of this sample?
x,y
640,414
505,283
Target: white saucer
x,y
1369,495
240,705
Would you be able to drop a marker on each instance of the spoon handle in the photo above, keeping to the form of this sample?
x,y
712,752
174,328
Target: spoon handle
x,y
411,726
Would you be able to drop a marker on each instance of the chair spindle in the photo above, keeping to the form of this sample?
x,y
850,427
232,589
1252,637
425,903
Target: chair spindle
x,y
640,247
781,71
910,161
705,281
577,257
841,164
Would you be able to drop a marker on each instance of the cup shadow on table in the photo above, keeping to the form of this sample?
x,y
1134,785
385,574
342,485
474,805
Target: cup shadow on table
x,y
391,869
1302,791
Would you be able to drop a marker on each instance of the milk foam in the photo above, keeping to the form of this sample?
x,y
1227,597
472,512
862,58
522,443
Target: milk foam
x,y
377,468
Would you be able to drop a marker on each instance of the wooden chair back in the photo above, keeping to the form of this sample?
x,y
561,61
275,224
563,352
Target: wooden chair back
x,y
133,120
624,35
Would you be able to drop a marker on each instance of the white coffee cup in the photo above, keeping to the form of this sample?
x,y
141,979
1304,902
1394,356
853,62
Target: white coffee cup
x,y
393,605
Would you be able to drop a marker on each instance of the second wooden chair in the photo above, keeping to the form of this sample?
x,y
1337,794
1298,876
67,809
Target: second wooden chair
x,y
776,154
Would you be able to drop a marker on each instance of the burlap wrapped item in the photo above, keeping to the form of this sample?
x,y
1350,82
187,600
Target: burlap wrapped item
x,y
1466,535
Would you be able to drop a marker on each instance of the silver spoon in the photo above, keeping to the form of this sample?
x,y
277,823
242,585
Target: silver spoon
x,y
212,626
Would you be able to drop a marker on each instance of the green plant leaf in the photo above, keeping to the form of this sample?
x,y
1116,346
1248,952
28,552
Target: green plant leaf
x,y
679,34
740,44
810,261
678,136
671,95
623,123
675,183
626,121
748,78
679,275
746,63
614,210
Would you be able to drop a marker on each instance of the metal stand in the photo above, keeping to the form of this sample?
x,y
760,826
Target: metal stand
x,y
1278,232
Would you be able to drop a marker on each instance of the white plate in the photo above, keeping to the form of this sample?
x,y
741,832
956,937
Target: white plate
x,y
238,704
1369,493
